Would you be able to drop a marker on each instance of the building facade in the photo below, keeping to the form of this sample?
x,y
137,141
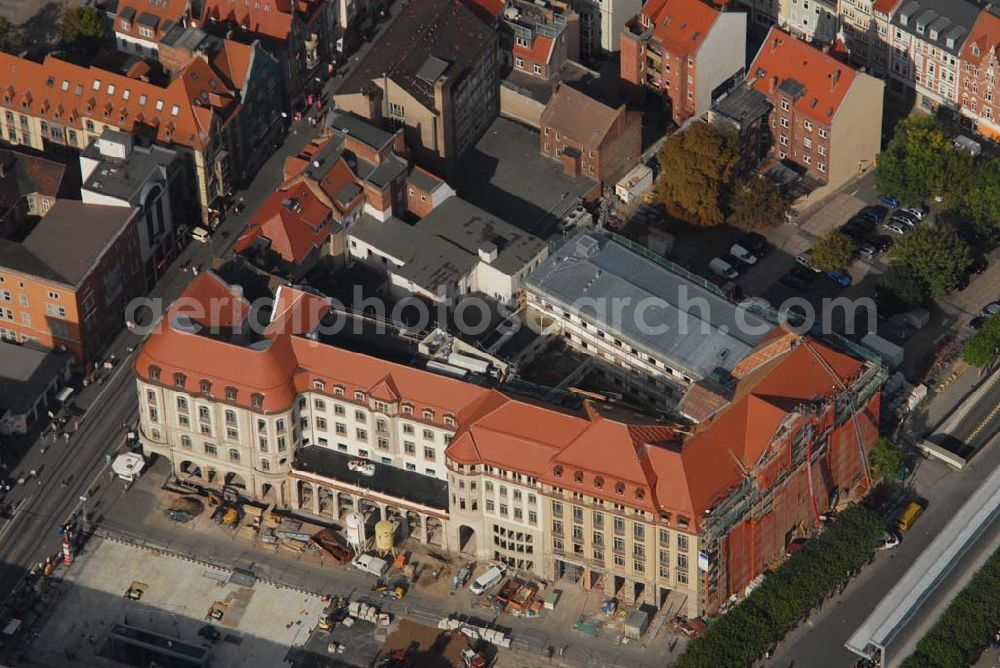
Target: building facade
x,y
685,51
980,69
618,502
824,112
811,20
864,26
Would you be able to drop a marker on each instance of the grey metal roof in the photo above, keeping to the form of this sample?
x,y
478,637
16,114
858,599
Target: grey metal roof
x,y
387,171
25,373
949,19
743,104
151,20
432,69
632,297
423,180
469,227
128,13
346,123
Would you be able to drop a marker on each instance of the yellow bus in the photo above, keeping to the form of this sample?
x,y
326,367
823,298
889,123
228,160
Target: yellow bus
x,y
910,515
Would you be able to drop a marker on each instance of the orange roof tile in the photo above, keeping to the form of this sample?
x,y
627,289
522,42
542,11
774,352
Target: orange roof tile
x,y
886,6
680,25
296,310
487,10
227,307
167,13
540,50
270,18
984,39
68,94
823,78
293,220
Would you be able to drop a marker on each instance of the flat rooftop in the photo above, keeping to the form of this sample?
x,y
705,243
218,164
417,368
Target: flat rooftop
x,y
662,310
121,179
25,372
396,482
506,175
258,627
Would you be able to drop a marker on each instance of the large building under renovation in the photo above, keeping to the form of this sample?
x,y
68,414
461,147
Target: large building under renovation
x,y
683,515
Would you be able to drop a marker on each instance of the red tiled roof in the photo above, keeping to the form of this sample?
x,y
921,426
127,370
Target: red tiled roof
x,y
68,94
886,6
680,25
540,50
270,18
233,62
487,10
984,38
293,220
167,11
296,311
209,299
825,79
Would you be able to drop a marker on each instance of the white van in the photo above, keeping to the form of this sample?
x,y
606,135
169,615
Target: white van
x,y
492,576
722,268
200,234
369,564
742,254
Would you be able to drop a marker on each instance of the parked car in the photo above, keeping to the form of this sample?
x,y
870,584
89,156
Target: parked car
x,y
794,281
907,219
804,273
200,234
742,254
857,229
888,541
896,228
806,261
991,309
841,277
978,266
722,268
756,243
918,212
978,322
882,242
492,576
875,213
890,202
867,250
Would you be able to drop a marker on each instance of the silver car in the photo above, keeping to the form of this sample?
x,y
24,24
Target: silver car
x,y
897,228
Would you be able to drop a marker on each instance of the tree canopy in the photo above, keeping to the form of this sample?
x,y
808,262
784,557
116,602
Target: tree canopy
x,y
833,252
936,255
981,201
697,167
887,458
903,287
913,167
12,39
80,25
982,347
758,203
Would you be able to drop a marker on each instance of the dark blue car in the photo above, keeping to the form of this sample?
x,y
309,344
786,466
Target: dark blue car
x,y
889,201
842,278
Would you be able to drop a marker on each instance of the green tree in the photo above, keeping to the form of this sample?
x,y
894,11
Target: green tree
x,y
982,347
981,202
758,203
80,25
937,256
913,167
833,252
887,458
12,39
697,168
903,286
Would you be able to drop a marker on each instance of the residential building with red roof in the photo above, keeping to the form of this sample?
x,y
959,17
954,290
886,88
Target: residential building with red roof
x,y
635,507
980,69
538,38
865,28
685,51
209,109
139,25
588,137
826,116
298,33
29,186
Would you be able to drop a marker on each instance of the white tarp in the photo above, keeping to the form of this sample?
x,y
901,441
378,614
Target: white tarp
x,y
128,466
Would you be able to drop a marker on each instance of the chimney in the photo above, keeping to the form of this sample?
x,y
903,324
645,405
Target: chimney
x,y
834,78
488,252
774,44
772,85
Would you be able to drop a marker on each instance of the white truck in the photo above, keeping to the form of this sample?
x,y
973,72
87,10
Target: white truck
x,y
370,564
492,576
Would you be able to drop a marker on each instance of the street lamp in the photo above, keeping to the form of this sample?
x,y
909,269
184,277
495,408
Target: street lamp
x,y
85,520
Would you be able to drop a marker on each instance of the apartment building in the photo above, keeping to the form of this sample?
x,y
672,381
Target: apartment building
x,y
300,35
151,179
29,186
926,41
686,51
864,26
826,115
211,117
139,26
980,69
623,504
434,72
810,20
68,283
536,40
590,138
635,315
602,22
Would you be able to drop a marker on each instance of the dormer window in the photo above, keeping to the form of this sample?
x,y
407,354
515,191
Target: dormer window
x,y
407,409
154,373
428,414
640,493
598,482
319,385
206,386
338,390
256,400
619,488
359,396
231,393
449,420
179,380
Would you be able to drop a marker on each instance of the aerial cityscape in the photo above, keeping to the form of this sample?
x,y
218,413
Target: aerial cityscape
x,y
513,333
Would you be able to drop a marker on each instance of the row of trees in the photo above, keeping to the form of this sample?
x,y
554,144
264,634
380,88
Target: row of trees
x,y
983,346
743,634
967,626
701,183
78,26
930,261
919,165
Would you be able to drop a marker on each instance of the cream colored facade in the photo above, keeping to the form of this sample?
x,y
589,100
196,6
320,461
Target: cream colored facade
x,y
493,514
865,30
856,130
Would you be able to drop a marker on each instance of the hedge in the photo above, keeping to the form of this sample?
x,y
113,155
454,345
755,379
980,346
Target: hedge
x,y
967,626
742,635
